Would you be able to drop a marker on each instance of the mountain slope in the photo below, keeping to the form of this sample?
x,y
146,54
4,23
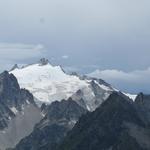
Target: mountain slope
x,y
50,83
115,125
59,119
18,111
142,103
99,74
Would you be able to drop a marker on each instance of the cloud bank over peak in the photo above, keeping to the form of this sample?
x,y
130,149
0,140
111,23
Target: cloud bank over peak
x,y
135,81
11,53
18,51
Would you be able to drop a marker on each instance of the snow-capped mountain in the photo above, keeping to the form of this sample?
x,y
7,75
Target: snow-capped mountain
x,y
49,83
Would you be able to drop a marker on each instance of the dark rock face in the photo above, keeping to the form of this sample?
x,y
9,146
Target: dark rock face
x,y
16,106
5,114
59,119
68,110
11,96
115,125
44,139
142,103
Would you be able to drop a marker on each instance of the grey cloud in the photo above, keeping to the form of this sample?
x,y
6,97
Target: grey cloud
x,y
11,53
15,51
70,69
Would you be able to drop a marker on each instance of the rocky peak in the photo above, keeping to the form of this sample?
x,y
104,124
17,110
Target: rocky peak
x,y
74,74
68,109
14,67
8,84
142,103
43,61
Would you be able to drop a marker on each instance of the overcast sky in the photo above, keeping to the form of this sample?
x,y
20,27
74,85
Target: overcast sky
x,y
81,35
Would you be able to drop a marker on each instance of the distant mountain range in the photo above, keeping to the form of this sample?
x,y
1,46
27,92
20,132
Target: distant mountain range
x,y
44,108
